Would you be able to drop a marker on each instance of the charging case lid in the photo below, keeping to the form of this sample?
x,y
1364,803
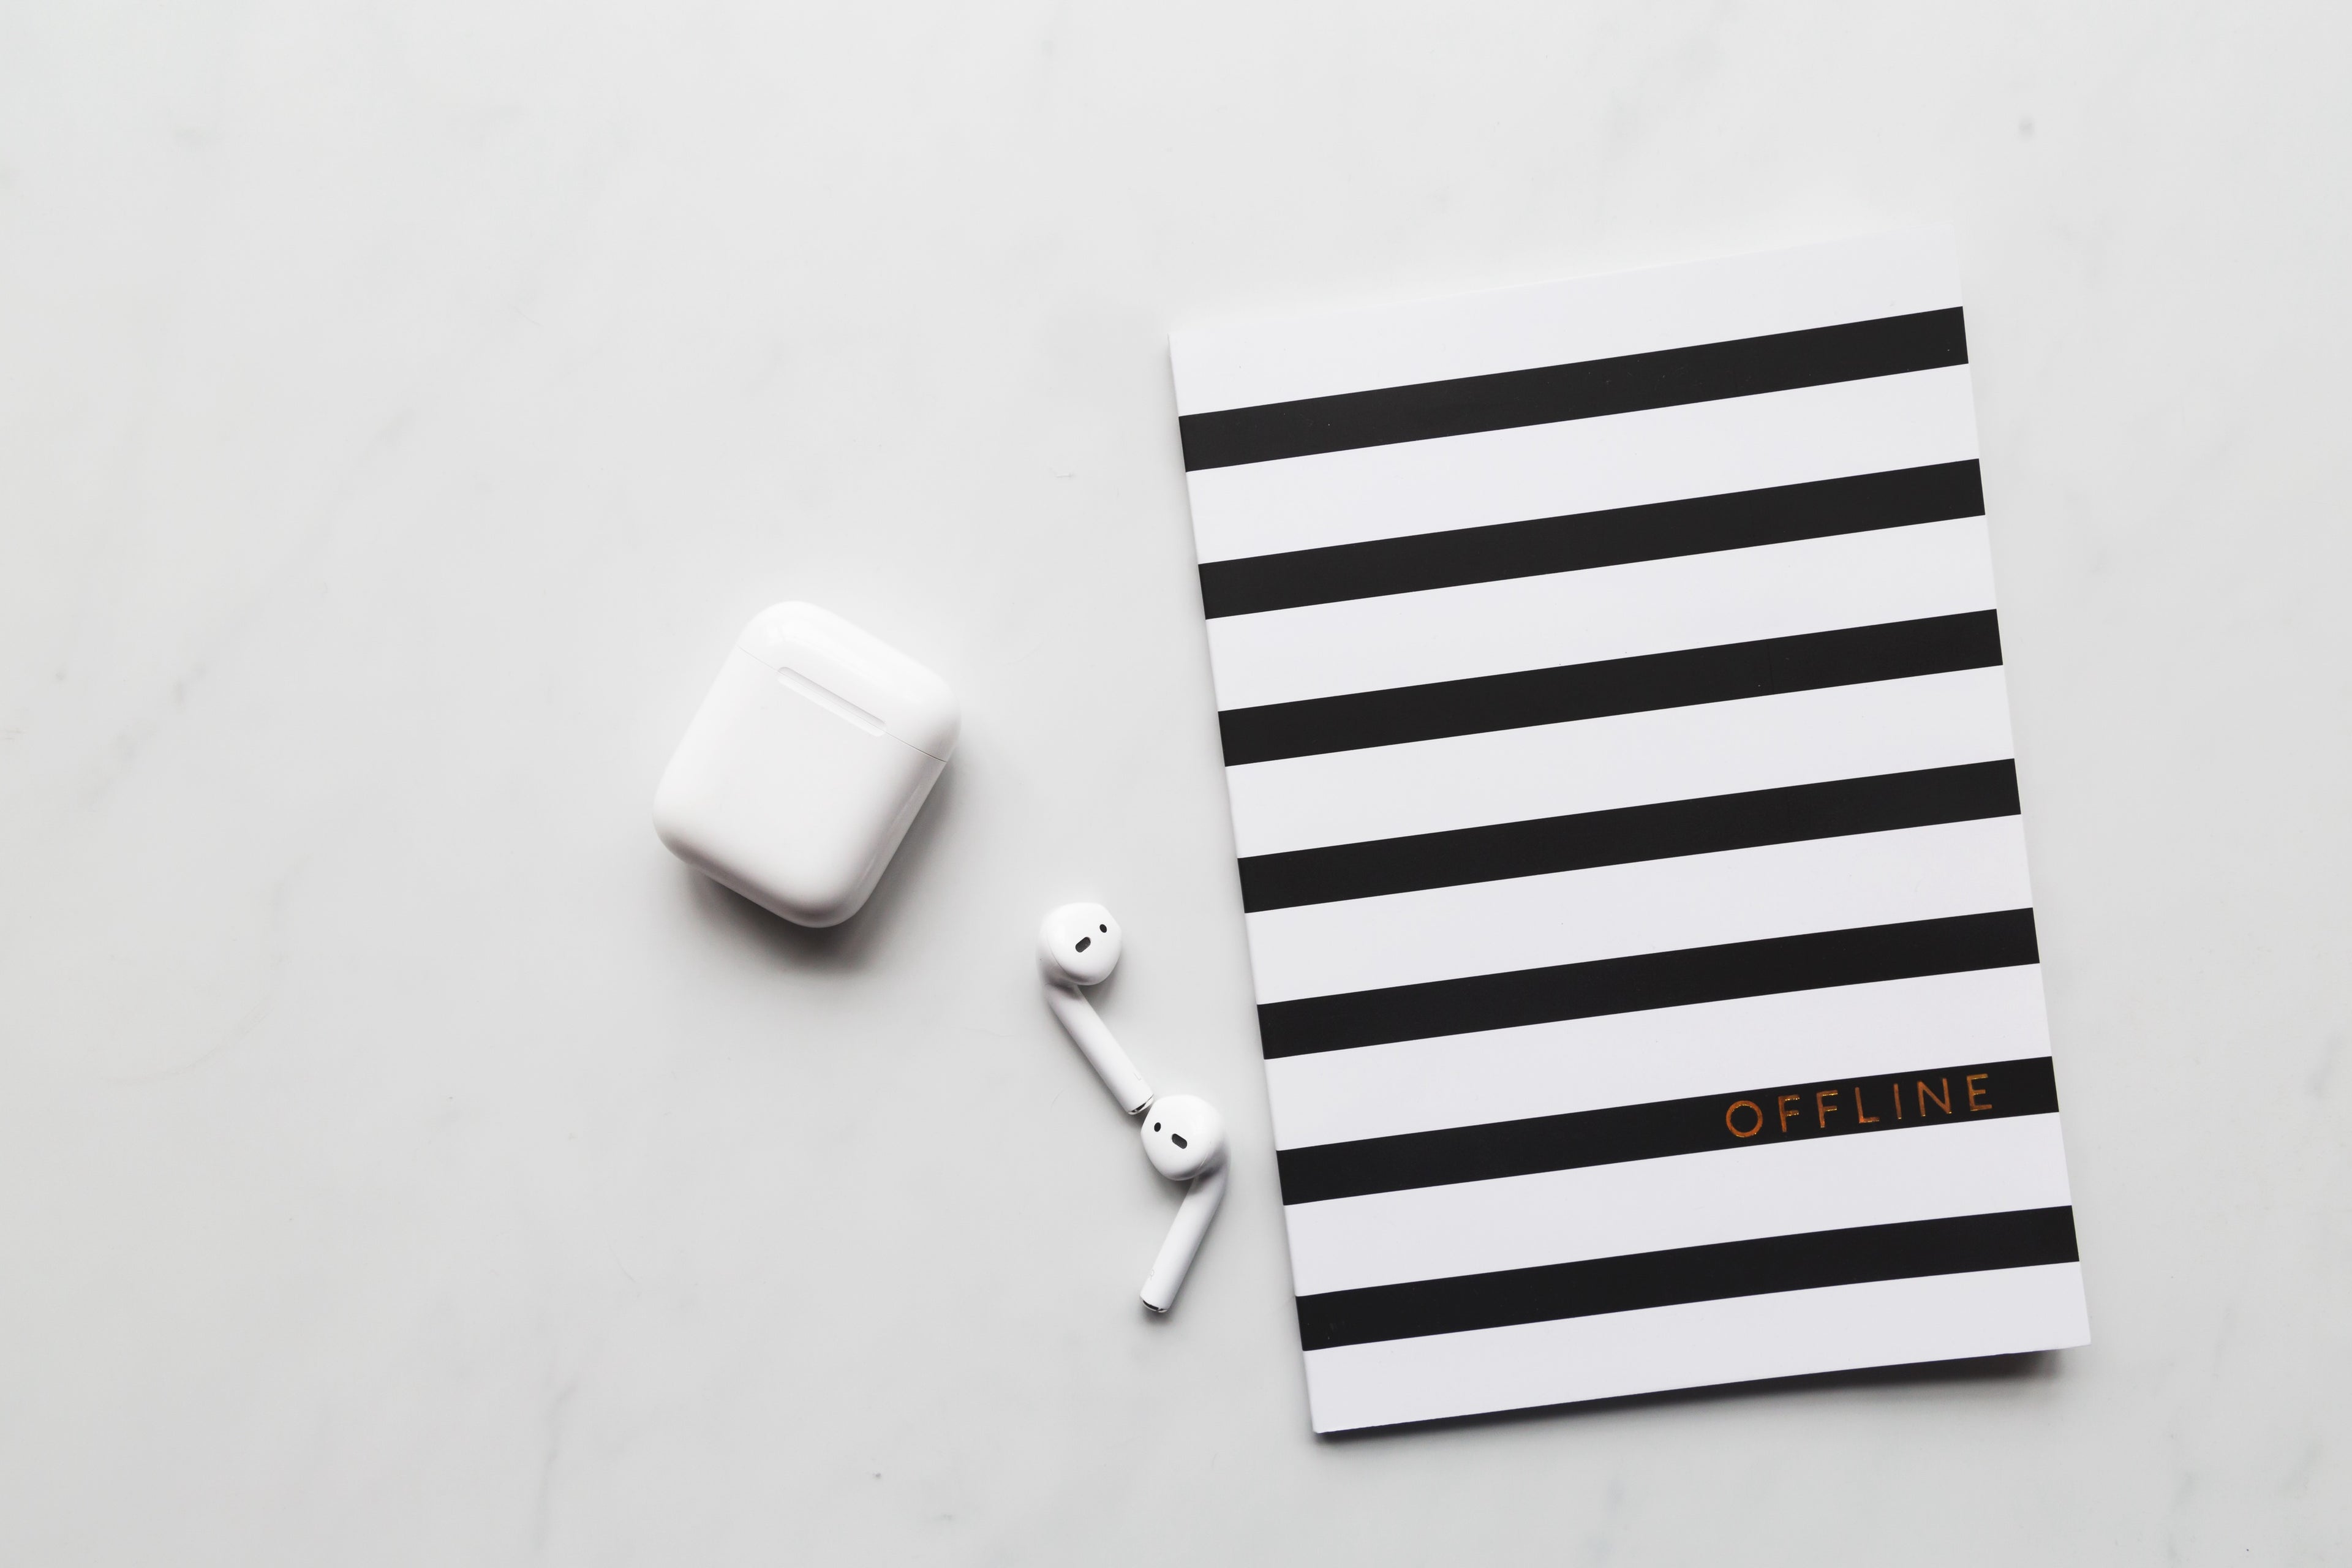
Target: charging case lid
x,y
870,683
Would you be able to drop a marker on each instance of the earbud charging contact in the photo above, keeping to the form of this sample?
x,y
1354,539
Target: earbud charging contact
x,y
1183,1136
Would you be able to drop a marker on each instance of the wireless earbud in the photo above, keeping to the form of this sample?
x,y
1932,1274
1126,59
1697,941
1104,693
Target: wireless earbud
x,y
1079,945
1183,1136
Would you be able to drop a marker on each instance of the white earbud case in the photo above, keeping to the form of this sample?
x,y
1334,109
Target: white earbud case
x,y
806,765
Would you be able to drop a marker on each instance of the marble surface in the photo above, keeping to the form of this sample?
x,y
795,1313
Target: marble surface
x,y
404,1160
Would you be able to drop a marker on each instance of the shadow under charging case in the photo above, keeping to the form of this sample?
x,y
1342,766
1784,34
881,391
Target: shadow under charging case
x,y
806,765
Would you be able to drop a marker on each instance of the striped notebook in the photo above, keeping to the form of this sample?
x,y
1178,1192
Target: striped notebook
x,y
1621,770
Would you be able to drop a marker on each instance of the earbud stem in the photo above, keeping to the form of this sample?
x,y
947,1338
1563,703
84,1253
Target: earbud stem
x,y
1095,1042
1184,1237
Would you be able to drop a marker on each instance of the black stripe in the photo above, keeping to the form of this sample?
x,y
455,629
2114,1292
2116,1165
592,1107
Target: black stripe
x,y
1878,805
1679,979
1740,1119
1743,367
1594,690
2019,1238
1582,540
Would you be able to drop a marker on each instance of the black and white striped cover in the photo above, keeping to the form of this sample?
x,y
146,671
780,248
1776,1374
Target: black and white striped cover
x,y
1612,711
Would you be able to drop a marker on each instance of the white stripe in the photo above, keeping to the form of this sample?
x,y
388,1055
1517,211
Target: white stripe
x,y
1562,323
1628,759
1890,1322
1852,1032
1650,906
1683,1200
1584,465
1617,611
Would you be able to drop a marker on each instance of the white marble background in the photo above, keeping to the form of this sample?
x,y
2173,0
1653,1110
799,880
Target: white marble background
x,y
403,1161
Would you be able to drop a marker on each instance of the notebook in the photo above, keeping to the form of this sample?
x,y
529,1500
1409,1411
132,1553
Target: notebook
x,y
1613,717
